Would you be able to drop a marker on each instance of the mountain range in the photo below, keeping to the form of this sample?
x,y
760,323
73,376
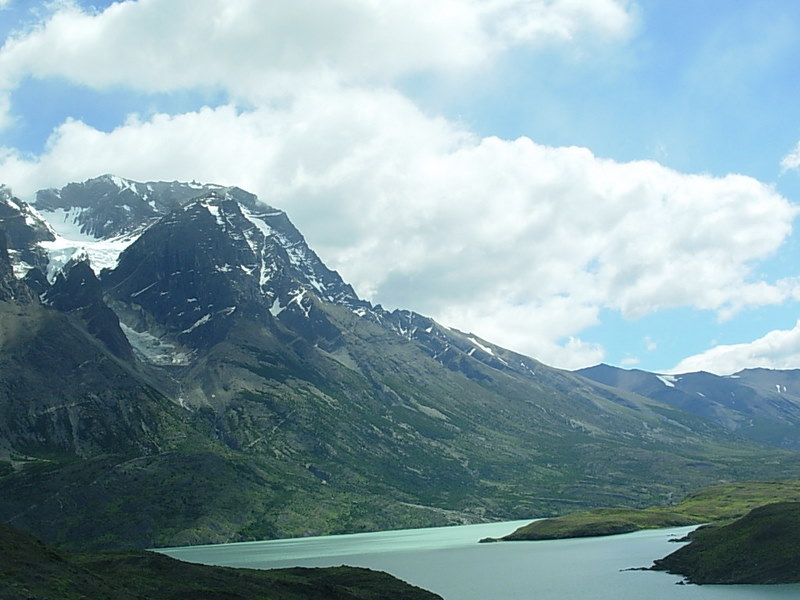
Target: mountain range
x,y
760,404
177,366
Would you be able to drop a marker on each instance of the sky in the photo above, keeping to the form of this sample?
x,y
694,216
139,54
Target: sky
x,y
581,181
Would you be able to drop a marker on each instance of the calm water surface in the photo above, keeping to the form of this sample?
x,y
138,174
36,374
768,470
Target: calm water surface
x,y
450,562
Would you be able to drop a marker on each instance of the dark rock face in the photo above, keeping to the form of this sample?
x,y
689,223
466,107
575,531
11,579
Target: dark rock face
x,y
24,229
212,261
63,394
11,289
37,281
77,290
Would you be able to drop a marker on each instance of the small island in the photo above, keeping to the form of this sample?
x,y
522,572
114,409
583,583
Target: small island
x,y
598,522
718,503
752,533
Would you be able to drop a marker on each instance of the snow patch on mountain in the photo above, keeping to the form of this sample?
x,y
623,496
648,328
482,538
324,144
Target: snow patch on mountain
x,y
298,299
276,308
122,184
143,290
154,350
481,346
199,323
66,223
258,246
102,254
8,199
668,380
258,220
19,266
216,213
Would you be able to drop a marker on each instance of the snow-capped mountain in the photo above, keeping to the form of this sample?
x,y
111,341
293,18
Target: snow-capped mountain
x,y
104,215
213,380
213,259
109,206
216,250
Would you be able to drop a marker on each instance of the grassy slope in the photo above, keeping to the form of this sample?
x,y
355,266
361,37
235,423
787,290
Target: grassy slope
x,y
761,547
719,502
381,437
31,569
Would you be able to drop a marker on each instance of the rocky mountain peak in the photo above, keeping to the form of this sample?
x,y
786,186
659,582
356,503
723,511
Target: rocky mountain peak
x,y
110,206
25,230
11,289
213,256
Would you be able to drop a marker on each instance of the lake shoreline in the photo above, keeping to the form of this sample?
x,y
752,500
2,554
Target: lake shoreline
x,y
450,562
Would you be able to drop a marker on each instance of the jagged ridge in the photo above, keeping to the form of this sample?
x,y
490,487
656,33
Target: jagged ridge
x,y
298,408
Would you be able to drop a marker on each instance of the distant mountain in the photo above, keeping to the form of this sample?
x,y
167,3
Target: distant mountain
x,y
761,404
204,377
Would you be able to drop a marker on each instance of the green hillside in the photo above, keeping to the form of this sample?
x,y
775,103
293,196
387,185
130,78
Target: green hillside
x,y
31,569
720,502
761,547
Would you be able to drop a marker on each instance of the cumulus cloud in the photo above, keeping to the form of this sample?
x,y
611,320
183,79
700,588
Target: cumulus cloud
x,y
520,243
255,50
779,349
157,45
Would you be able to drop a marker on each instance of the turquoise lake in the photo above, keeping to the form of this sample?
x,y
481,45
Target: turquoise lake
x,y
450,562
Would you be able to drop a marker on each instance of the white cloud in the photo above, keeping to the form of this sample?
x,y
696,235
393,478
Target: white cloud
x,y
557,20
158,45
255,50
779,349
542,327
520,243
792,160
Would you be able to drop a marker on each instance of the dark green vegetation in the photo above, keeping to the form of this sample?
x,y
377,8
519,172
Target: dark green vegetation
x,y
31,569
761,547
721,502
254,395
599,521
